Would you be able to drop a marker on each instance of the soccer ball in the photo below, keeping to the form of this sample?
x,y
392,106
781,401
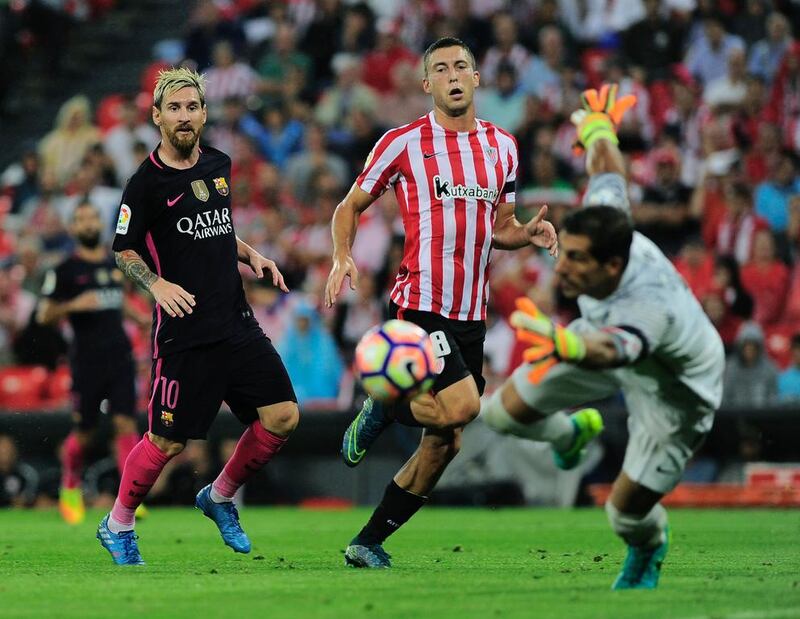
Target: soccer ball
x,y
395,361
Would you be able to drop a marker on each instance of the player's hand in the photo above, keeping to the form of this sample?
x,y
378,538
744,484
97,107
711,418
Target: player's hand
x,y
541,233
342,267
549,342
174,299
87,301
259,264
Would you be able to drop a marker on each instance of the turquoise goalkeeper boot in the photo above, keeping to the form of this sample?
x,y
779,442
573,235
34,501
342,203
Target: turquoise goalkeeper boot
x,y
362,432
372,556
642,567
587,424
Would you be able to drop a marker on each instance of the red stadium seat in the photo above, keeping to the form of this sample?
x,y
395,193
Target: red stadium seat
x,y
23,387
58,387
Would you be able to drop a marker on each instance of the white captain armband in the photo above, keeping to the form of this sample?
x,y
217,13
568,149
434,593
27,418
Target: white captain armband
x,y
630,343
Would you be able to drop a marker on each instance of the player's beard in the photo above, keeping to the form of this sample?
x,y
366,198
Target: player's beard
x,y
89,240
184,145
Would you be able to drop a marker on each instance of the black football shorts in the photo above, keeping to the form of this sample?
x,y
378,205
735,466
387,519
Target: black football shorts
x,y
188,387
457,343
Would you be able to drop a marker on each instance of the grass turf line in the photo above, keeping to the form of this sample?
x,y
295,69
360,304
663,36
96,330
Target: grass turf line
x,y
448,563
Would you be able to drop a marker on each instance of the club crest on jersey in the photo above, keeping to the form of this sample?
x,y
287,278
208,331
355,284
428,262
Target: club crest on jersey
x,y
491,154
200,190
443,188
166,418
221,186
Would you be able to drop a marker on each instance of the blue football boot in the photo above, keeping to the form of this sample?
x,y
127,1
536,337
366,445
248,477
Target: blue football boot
x,y
226,517
362,432
642,567
372,556
122,546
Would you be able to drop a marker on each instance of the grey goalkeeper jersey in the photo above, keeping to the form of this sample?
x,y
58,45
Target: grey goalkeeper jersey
x,y
680,345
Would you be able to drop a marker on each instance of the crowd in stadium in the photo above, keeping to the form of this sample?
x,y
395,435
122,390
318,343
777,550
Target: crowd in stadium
x,y
299,91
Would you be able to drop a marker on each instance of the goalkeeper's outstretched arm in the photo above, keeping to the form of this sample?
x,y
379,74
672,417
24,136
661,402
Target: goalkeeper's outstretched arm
x,y
604,157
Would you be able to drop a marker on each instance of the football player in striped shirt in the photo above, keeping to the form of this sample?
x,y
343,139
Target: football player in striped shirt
x,y
454,178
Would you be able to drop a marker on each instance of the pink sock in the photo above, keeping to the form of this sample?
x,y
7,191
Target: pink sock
x,y
71,462
124,444
256,447
142,468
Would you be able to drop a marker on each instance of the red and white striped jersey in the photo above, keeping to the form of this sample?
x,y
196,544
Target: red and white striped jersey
x,y
448,185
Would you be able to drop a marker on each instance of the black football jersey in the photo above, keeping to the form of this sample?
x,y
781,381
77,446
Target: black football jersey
x,y
180,222
101,329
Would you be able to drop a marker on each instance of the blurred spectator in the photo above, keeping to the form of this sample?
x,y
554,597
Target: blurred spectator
x,y
506,49
503,104
543,185
462,23
598,21
278,137
119,142
654,43
358,30
696,264
314,157
284,58
206,28
547,13
784,99
729,90
751,378
347,93
663,214
311,358
227,129
542,73
22,180
739,225
16,306
380,63
789,379
364,134
87,184
727,282
228,78
766,55
765,150
766,279
63,149
725,322
19,482
406,101
773,195
750,22
322,38
707,57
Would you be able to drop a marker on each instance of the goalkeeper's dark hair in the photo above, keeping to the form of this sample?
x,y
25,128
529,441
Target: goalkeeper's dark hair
x,y
609,229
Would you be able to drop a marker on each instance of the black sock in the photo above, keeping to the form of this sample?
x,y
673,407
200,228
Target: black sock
x,y
394,510
401,413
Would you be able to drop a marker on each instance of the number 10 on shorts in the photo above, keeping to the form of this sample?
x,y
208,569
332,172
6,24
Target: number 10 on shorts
x,y
169,391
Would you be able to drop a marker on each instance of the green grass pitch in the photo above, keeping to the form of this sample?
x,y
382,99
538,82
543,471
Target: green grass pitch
x,y
460,563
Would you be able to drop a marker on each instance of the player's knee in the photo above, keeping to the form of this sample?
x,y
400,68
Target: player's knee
x,y
166,446
637,529
281,419
461,413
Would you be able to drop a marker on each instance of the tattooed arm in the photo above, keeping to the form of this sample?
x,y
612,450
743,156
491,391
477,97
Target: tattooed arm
x,y
134,267
174,299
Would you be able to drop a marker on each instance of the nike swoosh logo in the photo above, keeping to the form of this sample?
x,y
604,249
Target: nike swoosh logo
x,y
661,469
174,200
428,155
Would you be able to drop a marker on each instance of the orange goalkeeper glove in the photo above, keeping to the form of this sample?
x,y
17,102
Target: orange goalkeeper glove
x,y
600,115
550,343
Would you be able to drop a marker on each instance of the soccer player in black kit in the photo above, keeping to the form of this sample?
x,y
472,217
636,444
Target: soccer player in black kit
x,y
175,239
87,288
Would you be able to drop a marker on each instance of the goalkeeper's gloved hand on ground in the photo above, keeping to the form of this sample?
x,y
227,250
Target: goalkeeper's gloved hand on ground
x,y
549,342
600,115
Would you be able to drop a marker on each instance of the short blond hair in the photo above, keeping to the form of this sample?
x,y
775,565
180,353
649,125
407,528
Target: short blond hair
x,y
172,80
